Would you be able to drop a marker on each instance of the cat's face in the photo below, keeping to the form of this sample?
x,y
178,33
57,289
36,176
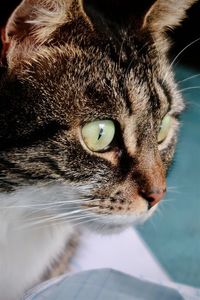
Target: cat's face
x,y
95,110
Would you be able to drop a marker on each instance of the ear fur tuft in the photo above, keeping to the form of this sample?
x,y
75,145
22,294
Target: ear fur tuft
x,y
34,22
38,18
167,14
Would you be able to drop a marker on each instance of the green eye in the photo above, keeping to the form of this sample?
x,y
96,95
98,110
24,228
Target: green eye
x,y
164,128
98,135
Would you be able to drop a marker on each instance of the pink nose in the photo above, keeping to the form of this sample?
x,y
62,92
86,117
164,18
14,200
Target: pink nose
x,y
154,197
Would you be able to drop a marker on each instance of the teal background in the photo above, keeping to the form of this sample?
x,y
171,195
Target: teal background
x,y
173,234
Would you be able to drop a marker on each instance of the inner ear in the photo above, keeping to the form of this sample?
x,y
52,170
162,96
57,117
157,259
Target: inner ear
x,y
30,26
126,13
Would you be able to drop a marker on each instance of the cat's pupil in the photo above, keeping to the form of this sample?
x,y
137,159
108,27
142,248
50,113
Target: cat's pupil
x,y
101,132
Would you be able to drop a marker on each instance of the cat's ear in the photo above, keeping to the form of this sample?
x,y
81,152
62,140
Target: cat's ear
x,y
33,24
165,14
154,15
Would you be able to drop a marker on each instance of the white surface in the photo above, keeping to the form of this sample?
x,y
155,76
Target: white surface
x,y
125,252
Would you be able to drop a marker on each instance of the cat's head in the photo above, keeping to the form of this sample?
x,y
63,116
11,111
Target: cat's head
x,y
88,101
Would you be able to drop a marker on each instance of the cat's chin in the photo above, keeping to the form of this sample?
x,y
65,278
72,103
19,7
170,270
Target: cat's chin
x,y
118,223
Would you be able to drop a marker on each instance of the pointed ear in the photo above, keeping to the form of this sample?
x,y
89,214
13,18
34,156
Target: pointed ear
x,y
33,24
155,15
165,14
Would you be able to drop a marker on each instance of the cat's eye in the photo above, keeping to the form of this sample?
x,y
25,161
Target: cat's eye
x,y
98,135
164,128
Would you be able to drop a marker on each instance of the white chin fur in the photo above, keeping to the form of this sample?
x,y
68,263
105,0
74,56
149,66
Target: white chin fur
x,y
115,224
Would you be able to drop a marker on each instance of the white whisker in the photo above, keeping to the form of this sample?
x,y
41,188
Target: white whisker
x,y
168,200
42,225
160,212
86,221
188,78
50,204
177,56
151,221
56,220
121,49
195,104
60,215
190,88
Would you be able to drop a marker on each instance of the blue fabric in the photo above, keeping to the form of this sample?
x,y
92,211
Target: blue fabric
x,y
105,285
174,234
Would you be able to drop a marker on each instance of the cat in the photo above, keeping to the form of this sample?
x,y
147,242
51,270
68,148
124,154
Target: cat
x,y
88,125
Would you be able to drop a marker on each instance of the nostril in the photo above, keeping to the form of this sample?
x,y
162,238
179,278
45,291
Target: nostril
x,y
150,199
153,197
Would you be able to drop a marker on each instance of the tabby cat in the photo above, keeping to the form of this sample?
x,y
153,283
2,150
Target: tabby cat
x,y
88,125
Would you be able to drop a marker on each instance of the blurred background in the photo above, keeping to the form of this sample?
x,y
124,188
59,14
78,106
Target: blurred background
x,y
186,34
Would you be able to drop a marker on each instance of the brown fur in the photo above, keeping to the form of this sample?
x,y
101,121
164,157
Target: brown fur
x,y
62,262
71,62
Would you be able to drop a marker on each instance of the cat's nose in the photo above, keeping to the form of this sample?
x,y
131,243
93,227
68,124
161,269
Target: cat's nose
x,y
154,196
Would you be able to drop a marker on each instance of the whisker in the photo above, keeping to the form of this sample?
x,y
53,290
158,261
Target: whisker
x,y
190,88
194,103
121,49
34,206
69,213
160,212
168,200
177,56
188,78
173,190
173,187
131,62
145,45
61,215
41,225
50,204
86,221
49,209
151,221
53,221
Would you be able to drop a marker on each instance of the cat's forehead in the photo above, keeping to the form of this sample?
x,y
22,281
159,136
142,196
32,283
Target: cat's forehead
x,y
105,81
125,82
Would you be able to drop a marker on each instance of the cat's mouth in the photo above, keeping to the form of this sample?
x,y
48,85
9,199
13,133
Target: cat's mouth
x,y
111,216
126,199
120,207
115,223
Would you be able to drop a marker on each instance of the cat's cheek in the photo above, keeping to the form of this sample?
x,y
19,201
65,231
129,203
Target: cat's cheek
x,y
115,223
168,154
